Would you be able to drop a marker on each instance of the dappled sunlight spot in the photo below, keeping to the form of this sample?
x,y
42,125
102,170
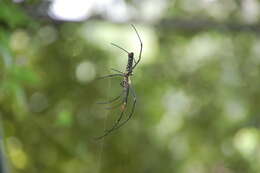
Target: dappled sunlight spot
x,y
16,154
235,110
47,34
79,10
19,40
64,113
199,51
103,34
215,8
64,118
169,124
153,10
113,10
18,158
38,102
85,72
76,10
250,11
220,10
176,104
246,141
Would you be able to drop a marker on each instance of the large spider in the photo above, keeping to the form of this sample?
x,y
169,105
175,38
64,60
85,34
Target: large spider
x,y
127,87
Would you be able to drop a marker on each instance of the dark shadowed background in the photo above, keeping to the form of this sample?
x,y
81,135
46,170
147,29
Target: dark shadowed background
x,y
197,86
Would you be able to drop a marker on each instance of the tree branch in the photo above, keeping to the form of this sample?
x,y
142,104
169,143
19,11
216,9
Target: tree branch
x,y
199,25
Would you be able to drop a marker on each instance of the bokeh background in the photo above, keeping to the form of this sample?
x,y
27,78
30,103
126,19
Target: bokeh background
x,y
197,86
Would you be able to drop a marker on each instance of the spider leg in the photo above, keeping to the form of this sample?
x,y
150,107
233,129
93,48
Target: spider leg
x,y
117,70
115,106
124,106
132,110
107,132
126,90
111,75
141,47
112,100
119,47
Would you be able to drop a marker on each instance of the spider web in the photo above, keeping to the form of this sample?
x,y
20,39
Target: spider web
x,y
100,154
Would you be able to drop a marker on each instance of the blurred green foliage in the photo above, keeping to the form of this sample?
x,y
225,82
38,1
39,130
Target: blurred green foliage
x,y
198,93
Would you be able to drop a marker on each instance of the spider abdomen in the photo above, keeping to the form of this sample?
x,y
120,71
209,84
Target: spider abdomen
x,y
130,62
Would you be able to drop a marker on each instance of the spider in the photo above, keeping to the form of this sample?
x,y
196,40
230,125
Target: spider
x,y
126,85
